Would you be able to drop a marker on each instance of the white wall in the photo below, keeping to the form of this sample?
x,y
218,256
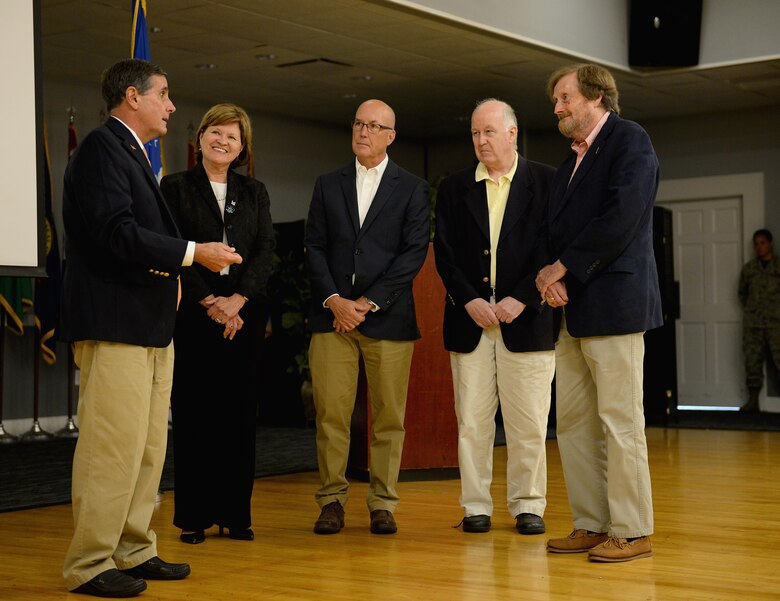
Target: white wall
x,y
594,30
597,30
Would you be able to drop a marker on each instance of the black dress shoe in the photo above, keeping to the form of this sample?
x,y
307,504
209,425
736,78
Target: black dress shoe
x,y
383,522
476,523
238,533
112,583
193,538
529,523
157,569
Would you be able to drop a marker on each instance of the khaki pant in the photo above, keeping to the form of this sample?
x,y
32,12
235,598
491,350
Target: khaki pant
x,y
521,383
334,359
601,432
124,395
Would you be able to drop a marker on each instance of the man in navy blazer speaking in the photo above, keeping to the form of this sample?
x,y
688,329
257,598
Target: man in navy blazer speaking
x,y
600,233
366,238
119,300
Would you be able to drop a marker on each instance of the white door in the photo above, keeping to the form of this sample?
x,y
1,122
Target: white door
x,y
708,244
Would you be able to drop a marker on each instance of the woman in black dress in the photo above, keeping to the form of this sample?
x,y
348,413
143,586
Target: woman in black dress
x,y
219,332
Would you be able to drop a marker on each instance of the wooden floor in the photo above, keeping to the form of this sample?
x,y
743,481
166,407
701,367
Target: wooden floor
x,y
717,515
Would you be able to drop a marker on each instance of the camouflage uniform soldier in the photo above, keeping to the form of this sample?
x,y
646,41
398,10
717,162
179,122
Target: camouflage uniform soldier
x,y
759,293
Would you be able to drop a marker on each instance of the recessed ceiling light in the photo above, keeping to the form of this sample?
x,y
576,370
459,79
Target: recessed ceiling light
x,y
265,57
205,66
363,78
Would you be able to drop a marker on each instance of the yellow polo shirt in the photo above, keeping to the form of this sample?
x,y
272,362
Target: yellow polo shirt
x,y
497,196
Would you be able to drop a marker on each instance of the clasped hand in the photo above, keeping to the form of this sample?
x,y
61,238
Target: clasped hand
x,y
550,284
224,310
486,315
348,314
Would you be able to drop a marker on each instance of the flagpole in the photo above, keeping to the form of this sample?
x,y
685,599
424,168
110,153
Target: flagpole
x,y
36,432
5,437
70,430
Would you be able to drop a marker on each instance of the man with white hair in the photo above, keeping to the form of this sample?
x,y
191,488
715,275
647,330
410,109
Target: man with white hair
x,y
489,245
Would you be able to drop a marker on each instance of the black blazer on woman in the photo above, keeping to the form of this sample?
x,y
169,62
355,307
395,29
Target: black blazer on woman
x,y
247,225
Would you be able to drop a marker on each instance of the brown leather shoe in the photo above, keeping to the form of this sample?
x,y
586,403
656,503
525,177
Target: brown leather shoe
x,y
383,522
331,519
620,549
577,542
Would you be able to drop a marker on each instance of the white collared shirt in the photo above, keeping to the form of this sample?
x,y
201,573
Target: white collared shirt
x,y
367,183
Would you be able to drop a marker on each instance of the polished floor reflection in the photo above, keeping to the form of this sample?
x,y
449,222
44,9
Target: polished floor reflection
x,y
717,538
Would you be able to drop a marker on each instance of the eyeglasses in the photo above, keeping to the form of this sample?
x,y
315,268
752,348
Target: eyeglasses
x,y
373,127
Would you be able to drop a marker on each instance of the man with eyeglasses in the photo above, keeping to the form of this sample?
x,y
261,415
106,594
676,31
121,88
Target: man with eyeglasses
x,y
489,245
366,239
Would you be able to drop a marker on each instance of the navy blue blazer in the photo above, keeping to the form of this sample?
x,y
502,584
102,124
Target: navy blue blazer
x,y
122,246
384,255
462,247
601,228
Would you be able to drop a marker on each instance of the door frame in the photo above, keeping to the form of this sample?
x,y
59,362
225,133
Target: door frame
x,y
749,187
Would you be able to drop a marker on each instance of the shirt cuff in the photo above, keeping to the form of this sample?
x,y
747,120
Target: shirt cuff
x,y
189,256
325,302
374,306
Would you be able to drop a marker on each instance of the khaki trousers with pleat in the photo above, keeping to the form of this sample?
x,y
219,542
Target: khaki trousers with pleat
x,y
124,396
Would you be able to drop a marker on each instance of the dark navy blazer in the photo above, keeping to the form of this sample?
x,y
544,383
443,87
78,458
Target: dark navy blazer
x,y
601,228
122,247
462,247
383,255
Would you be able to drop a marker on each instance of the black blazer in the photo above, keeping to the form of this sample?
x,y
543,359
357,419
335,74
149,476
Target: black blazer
x,y
462,247
601,228
384,254
247,224
121,243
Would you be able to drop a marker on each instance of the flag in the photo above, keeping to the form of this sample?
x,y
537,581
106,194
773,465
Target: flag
x,y
47,290
250,166
16,296
191,147
72,139
139,48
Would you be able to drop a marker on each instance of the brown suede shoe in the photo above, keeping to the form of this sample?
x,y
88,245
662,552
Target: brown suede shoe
x,y
383,522
331,519
619,549
577,542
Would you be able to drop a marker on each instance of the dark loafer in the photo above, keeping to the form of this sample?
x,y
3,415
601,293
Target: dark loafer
x,y
529,523
193,538
157,569
331,519
383,522
476,523
112,583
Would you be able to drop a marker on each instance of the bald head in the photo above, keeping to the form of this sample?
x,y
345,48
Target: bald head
x,y
377,107
372,132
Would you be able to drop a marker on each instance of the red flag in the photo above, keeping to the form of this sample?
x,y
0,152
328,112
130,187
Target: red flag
x,y
72,141
190,154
